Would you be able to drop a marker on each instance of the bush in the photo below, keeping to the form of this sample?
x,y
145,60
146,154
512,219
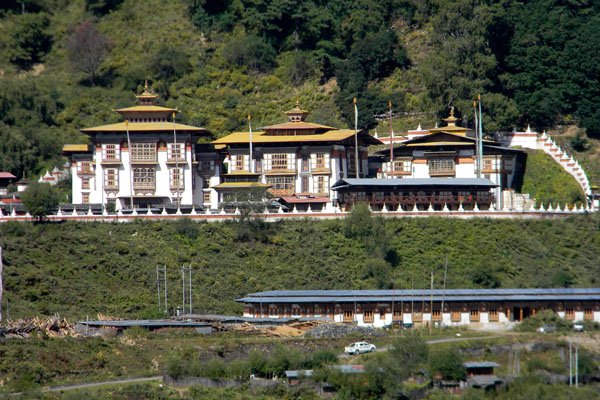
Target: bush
x,y
545,317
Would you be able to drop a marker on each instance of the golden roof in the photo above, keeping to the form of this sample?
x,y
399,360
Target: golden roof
x,y
260,137
301,125
146,95
146,108
238,185
143,126
75,148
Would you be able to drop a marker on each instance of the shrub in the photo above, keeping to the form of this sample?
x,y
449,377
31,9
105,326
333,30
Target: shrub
x,y
251,51
545,317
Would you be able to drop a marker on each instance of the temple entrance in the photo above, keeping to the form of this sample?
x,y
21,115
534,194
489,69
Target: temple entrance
x,y
520,313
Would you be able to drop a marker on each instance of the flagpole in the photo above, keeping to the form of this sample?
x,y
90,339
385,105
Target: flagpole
x,y
356,138
480,134
130,167
176,151
391,144
250,160
477,171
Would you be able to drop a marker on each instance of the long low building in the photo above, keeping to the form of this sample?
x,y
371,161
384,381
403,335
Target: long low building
x,y
379,308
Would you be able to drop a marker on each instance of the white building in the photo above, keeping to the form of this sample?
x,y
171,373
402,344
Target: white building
x,y
298,161
148,160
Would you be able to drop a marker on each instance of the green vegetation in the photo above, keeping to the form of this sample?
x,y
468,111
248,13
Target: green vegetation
x,y
66,65
79,269
547,182
545,317
40,199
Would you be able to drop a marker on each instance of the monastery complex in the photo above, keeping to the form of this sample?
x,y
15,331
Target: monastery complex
x,y
150,162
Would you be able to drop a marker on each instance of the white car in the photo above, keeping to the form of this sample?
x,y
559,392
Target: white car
x,y
360,347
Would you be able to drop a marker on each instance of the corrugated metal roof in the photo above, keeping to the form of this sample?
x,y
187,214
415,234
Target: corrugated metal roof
x,y
144,323
414,182
480,364
450,295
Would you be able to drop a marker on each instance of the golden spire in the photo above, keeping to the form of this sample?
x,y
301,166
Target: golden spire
x,y
146,86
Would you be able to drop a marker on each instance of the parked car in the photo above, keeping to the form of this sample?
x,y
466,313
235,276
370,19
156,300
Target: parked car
x,y
578,326
546,328
360,347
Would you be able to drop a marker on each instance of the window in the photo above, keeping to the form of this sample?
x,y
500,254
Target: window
x,y
417,316
397,315
304,165
281,184
85,168
588,313
278,161
569,313
143,152
320,160
85,198
273,311
493,314
348,315
110,152
206,197
176,178
143,179
304,182
240,163
85,183
176,153
487,164
111,178
474,314
436,315
351,162
455,317
402,167
206,165
441,166
321,185
368,316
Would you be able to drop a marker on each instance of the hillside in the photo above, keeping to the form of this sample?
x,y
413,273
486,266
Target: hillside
x,y
220,61
79,269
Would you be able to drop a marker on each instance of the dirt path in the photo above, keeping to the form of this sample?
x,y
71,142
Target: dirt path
x,y
83,385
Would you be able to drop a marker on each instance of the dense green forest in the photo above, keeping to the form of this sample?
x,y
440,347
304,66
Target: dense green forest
x,y
79,269
65,65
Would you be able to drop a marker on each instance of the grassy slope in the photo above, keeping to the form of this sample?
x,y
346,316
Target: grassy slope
x,y
84,269
547,182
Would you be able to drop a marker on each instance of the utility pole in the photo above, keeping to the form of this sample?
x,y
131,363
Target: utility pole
x,y
576,364
162,271
477,171
412,302
187,269
1,287
443,293
570,362
393,295
431,305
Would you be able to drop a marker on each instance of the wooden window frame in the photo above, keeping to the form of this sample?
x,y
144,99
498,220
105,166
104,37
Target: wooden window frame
x,y
474,315
143,152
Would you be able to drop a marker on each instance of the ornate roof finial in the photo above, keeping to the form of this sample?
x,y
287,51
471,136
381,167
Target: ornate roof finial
x,y
297,103
146,86
452,111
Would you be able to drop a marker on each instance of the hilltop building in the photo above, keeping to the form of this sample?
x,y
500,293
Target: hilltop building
x,y
379,308
298,161
147,160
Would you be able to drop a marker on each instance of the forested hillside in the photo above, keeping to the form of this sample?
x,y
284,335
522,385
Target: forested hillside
x,y
65,65
79,269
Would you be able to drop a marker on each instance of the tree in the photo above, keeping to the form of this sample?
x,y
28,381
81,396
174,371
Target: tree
x,y
40,199
448,364
87,48
252,51
28,39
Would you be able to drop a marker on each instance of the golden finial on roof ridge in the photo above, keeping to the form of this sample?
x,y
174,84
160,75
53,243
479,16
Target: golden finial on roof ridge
x,y
297,103
146,86
452,111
